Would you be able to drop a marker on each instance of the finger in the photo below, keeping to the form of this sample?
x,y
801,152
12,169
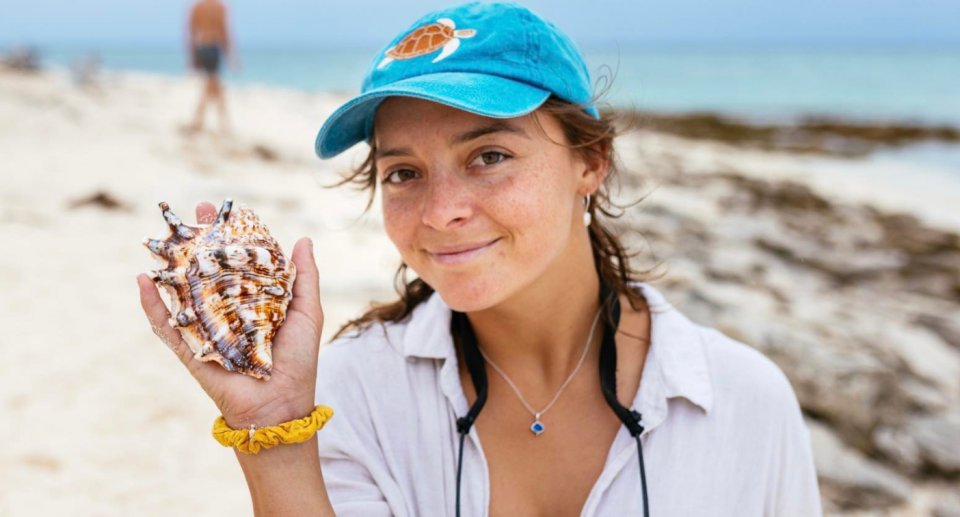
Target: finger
x,y
306,287
158,315
206,213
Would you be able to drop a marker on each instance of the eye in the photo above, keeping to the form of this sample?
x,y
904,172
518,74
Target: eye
x,y
489,158
400,173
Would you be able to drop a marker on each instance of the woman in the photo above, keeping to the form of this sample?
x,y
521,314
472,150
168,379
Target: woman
x,y
597,397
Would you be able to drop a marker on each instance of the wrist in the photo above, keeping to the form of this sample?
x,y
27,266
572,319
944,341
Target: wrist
x,y
267,417
254,439
307,453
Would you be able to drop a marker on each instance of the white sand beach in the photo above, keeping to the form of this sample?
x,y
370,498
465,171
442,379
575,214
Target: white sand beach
x,y
102,420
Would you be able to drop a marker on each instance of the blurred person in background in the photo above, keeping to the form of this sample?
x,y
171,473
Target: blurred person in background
x,y
209,41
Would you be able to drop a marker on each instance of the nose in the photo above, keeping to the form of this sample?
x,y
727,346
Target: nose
x,y
449,202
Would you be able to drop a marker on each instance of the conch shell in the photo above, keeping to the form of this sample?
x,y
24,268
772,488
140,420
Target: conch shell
x,y
229,285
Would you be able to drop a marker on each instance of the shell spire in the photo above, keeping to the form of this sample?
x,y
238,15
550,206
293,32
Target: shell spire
x,y
224,212
229,285
176,225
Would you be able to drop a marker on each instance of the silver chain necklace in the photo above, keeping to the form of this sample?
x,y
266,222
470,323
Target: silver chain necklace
x,y
537,427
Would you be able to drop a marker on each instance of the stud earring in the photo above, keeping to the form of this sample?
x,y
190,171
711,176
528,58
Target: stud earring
x,y
586,211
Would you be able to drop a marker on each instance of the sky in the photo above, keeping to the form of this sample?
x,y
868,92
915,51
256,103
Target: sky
x,y
592,23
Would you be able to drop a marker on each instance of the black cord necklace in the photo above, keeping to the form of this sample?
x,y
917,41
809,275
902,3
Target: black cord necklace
x,y
462,331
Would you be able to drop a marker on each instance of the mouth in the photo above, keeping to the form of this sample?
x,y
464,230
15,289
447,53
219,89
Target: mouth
x,y
463,256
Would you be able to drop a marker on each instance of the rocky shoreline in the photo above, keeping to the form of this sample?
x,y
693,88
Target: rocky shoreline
x,y
859,307
818,135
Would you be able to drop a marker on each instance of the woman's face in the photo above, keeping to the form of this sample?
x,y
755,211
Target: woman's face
x,y
453,180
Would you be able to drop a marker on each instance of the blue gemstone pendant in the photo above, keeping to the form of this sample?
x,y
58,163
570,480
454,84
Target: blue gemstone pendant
x,y
537,427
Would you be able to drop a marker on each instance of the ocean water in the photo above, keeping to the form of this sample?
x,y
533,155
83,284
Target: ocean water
x,y
887,84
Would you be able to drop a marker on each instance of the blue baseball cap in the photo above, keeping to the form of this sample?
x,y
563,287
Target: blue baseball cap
x,y
498,60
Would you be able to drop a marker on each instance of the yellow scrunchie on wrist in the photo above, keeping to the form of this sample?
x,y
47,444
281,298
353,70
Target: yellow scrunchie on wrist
x,y
252,440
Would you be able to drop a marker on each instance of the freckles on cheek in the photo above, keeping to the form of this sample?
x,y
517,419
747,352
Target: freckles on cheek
x,y
399,223
527,208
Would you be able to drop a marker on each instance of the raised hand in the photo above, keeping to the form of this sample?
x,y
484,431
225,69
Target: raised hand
x,y
243,400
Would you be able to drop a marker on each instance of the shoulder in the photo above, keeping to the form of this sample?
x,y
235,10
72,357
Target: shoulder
x,y
744,378
755,403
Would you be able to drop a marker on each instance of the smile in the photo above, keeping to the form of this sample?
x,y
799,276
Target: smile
x,y
452,259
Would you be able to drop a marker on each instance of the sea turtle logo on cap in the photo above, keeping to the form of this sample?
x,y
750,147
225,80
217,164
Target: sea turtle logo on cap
x,y
426,39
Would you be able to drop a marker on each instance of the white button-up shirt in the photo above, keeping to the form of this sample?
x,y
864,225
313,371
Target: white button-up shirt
x,y
724,435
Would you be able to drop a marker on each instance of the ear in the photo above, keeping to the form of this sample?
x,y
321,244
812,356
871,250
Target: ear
x,y
596,164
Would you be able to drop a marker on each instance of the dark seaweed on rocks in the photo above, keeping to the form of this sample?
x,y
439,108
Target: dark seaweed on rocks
x,y
809,135
859,307
22,60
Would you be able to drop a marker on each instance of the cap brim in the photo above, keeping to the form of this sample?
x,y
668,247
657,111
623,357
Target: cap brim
x,y
487,95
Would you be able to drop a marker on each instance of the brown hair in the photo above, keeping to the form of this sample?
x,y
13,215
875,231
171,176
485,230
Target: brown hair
x,y
589,136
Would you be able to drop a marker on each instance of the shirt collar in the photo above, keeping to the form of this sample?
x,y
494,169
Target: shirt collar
x,y
428,333
676,364
678,351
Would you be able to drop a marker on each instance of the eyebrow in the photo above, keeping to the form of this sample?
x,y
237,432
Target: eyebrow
x,y
495,127
399,151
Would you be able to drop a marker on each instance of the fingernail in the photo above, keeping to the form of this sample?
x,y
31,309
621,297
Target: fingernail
x,y
311,246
